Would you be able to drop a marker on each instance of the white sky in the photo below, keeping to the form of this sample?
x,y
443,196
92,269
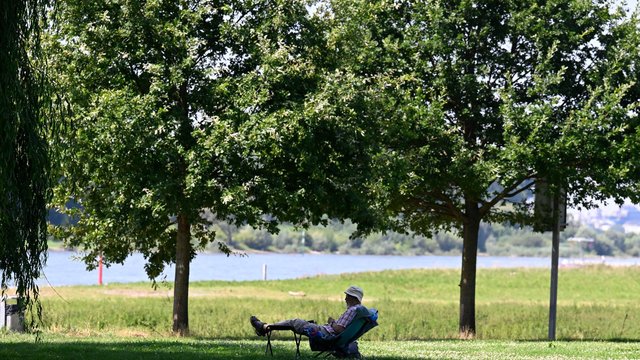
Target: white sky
x,y
632,4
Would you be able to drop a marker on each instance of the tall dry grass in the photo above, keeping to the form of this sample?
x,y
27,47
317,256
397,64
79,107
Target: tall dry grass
x,y
593,303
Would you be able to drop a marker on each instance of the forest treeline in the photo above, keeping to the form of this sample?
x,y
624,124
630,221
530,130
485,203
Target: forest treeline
x,y
494,239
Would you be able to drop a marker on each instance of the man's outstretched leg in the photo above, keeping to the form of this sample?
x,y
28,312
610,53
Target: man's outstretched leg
x,y
298,326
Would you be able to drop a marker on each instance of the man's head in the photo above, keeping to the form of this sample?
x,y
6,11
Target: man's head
x,y
354,295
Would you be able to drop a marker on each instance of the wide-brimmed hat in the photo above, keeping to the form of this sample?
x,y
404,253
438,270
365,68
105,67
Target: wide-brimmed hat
x,y
356,292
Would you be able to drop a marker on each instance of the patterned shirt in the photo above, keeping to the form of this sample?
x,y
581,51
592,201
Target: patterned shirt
x,y
344,320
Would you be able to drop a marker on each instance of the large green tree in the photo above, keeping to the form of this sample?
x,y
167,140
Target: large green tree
x,y
24,154
471,102
183,109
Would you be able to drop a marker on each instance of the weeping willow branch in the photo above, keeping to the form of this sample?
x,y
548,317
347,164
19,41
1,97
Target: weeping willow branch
x,y
25,172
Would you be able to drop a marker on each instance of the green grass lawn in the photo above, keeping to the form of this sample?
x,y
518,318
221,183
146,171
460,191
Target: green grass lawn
x,y
598,317
116,348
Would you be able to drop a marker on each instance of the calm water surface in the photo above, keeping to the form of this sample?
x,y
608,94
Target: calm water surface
x,y
63,268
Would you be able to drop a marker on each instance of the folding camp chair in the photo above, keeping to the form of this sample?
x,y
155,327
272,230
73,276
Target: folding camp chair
x,y
344,344
338,345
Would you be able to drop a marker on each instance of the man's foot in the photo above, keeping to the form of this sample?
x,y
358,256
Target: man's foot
x,y
258,326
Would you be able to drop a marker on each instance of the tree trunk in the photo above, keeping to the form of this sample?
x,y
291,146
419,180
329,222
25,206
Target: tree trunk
x,y
181,282
470,228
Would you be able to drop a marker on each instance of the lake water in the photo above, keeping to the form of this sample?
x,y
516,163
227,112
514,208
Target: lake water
x,y
63,268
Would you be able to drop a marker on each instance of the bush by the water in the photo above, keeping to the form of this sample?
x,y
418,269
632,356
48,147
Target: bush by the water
x,y
493,240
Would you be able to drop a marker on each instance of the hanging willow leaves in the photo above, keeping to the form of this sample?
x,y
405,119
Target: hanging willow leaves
x,y
24,154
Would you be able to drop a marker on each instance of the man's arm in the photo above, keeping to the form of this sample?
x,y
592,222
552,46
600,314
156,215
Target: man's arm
x,y
337,328
343,321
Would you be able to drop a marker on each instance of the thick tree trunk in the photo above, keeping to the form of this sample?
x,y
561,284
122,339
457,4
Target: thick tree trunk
x,y
181,282
471,228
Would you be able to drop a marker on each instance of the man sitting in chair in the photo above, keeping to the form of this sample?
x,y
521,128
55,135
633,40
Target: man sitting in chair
x,y
353,298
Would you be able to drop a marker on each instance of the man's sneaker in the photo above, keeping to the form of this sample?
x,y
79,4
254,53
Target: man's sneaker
x,y
258,326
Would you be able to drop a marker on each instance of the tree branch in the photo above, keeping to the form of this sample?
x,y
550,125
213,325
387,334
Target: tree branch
x,y
507,193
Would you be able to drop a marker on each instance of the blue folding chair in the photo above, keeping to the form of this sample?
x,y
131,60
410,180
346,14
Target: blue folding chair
x,y
344,345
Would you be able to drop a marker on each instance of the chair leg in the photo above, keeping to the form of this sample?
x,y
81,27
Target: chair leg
x,y
297,338
269,348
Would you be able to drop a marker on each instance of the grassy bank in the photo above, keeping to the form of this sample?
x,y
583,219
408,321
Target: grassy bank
x,y
598,317
598,303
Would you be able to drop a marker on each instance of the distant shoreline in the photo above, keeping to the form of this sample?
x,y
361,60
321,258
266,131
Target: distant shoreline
x,y
593,258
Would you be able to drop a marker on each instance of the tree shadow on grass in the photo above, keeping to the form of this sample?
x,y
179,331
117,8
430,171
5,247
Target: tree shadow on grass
x,y
191,349
197,350
161,349
569,340
615,340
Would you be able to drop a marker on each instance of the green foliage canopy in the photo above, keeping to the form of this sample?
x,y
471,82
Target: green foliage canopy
x,y
160,116
475,101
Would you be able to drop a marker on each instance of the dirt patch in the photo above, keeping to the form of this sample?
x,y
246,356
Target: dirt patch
x,y
137,293
93,292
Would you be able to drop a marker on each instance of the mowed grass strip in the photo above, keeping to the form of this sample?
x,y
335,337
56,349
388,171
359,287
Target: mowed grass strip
x,y
55,346
594,303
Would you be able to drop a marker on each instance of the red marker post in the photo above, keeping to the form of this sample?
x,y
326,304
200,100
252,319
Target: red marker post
x,y
100,270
